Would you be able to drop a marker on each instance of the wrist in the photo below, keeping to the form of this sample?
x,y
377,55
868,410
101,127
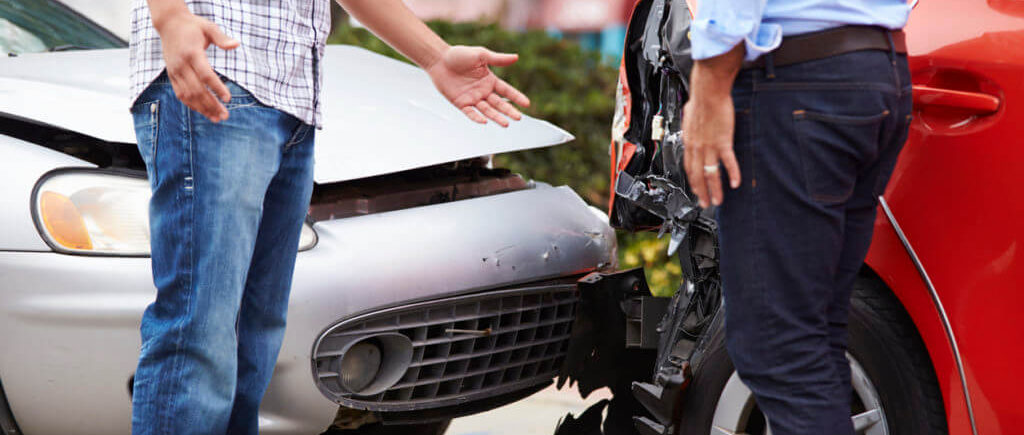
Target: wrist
x,y
433,56
164,12
713,78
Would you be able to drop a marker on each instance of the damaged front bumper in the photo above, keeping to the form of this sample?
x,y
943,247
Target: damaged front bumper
x,y
642,346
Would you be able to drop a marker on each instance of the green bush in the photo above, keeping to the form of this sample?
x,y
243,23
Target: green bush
x,y
569,87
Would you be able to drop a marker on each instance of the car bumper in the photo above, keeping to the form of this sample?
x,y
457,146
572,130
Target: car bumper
x,y
70,323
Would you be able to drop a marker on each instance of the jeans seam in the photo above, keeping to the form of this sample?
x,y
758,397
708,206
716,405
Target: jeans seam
x,y
296,137
776,86
155,131
754,221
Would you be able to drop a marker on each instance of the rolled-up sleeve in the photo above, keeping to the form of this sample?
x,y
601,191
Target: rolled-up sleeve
x,y
721,24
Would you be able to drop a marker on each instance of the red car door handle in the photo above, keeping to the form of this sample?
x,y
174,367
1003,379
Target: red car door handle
x,y
973,102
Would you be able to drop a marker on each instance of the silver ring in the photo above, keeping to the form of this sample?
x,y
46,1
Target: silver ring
x,y
710,169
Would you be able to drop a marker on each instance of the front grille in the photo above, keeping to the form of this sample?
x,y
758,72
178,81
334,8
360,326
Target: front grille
x,y
528,340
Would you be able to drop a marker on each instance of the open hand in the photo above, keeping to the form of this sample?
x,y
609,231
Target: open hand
x,y
185,38
464,77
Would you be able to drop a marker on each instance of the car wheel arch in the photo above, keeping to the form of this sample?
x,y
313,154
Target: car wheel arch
x,y
890,261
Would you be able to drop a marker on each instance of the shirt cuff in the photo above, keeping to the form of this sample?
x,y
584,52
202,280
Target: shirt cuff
x,y
711,38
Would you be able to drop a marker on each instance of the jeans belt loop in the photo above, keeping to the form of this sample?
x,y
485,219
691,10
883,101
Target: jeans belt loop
x,y
769,65
892,47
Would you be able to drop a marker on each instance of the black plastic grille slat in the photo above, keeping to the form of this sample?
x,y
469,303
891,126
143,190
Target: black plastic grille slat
x,y
529,335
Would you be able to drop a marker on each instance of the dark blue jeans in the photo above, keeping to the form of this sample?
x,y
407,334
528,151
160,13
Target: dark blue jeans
x,y
816,143
226,214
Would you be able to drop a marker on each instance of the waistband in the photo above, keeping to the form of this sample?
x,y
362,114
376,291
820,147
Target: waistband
x,y
831,42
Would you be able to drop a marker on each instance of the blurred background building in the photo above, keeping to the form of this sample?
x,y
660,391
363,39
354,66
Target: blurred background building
x,y
596,24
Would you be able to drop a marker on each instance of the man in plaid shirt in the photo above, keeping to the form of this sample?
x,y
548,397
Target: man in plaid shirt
x,y
225,125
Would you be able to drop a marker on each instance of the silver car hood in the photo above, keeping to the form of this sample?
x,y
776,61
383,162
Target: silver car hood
x,y
380,115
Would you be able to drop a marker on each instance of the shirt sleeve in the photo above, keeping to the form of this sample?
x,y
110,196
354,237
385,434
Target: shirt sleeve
x,y
721,24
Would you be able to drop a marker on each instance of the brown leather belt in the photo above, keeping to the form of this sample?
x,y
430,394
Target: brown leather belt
x,y
832,42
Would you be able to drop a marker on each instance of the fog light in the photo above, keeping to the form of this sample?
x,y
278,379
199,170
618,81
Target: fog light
x,y
359,366
371,364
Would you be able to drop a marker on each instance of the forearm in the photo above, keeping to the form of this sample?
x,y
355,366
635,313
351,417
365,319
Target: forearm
x,y
164,10
393,22
713,78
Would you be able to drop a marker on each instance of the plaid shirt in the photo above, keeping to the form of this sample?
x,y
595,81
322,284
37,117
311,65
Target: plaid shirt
x,y
278,61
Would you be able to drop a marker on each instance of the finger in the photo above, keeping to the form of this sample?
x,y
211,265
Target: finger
x,y
499,59
209,78
504,107
713,178
218,38
506,90
212,108
475,116
196,97
695,173
490,112
732,167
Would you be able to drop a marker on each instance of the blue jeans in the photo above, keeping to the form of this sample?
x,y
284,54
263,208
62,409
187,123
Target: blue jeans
x,y
228,204
816,143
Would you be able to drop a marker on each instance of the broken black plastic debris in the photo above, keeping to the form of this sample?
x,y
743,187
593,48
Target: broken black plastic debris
x,y
588,423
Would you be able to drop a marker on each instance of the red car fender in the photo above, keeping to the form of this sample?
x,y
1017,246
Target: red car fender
x,y
890,259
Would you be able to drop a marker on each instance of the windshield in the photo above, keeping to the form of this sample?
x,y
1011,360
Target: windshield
x,y
28,26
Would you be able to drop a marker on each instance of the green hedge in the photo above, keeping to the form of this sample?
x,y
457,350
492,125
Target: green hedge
x,y
570,87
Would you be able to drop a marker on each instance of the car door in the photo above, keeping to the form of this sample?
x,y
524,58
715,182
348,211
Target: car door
x,y
957,193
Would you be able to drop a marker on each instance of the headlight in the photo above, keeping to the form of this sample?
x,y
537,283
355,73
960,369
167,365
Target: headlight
x,y
101,213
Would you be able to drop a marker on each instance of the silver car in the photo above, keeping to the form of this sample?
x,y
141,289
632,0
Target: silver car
x,y
429,284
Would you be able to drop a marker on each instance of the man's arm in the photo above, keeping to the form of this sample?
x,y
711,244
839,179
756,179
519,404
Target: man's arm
x,y
462,74
184,38
725,32
708,124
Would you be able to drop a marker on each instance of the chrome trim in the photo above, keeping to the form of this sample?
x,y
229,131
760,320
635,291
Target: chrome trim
x,y
938,306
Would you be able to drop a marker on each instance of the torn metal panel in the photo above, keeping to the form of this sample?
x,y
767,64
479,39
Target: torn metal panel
x,y
694,308
664,199
654,183
676,35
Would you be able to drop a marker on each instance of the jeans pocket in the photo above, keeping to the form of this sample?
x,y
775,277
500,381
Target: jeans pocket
x,y
832,148
147,127
240,97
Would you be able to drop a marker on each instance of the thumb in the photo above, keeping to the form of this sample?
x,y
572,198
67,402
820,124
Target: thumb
x,y
218,38
499,59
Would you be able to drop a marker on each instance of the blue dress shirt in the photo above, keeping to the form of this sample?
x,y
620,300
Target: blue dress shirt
x,y
721,24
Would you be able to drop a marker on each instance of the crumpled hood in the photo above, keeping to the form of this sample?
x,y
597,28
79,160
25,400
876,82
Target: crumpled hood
x,y
380,116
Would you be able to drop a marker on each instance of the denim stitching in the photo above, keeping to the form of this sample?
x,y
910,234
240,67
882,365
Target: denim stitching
x,y
757,248
154,119
296,136
804,115
189,237
826,86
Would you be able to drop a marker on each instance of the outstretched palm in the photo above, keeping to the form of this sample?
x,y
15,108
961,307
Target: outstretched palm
x,y
463,75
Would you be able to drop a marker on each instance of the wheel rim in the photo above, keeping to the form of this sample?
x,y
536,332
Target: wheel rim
x,y
735,411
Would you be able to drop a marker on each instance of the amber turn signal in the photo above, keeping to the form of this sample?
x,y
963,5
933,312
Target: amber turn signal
x,y
63,221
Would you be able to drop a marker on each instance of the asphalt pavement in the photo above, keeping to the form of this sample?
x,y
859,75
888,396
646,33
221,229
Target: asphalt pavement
x,y
538,414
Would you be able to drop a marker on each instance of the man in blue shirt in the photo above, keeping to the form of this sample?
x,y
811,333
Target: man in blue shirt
x,y
810,101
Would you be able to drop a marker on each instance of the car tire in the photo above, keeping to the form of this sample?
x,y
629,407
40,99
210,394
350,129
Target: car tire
x,y
886,351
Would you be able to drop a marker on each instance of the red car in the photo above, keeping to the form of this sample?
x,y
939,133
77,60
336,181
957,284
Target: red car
x,y
934,332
